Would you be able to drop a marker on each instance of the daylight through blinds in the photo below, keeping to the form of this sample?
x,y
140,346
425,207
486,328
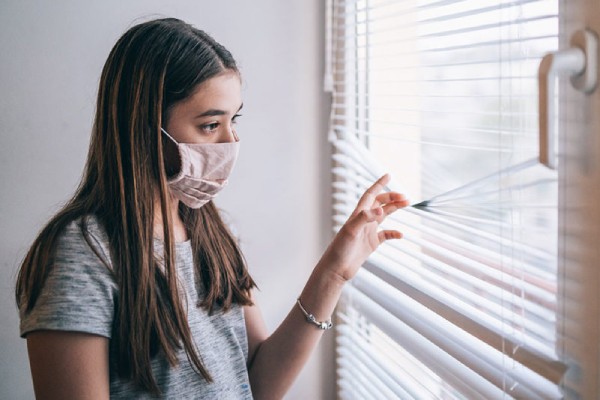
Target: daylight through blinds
x,y
443,95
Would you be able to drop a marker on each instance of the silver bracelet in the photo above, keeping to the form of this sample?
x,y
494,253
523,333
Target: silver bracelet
x,y
324,325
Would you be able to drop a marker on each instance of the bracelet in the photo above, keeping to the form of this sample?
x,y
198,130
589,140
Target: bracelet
x,y
324,325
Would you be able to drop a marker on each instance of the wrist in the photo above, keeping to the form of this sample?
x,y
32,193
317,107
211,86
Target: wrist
x,y
322,291
310,318
330,276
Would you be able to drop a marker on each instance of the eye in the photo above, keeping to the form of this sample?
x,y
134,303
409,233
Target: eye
x,y
210,128
235,118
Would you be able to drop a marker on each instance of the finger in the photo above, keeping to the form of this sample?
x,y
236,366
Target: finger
x,y
388,197
388,235
367,199
364,217
392,207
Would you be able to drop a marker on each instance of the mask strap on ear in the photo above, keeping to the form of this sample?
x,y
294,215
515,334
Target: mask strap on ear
x,y
169,136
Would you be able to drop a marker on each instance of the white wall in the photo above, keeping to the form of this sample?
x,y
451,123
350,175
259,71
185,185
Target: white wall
x,y
52,53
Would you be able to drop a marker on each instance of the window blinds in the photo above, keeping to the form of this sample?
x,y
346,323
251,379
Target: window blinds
x,y
443,95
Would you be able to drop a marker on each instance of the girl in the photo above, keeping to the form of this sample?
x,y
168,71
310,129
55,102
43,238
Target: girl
x,y
136,288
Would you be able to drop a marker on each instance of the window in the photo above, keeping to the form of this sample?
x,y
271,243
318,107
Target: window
x,y
443,95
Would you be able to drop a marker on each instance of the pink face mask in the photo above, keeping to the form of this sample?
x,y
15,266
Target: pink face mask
x,y
205,168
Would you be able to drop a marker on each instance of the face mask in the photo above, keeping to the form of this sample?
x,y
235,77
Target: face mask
x,y
205,168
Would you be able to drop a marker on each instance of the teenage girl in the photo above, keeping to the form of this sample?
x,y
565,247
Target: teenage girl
x,y
136,288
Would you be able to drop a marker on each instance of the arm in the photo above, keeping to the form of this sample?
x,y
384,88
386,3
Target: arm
x,y
276,360
68,365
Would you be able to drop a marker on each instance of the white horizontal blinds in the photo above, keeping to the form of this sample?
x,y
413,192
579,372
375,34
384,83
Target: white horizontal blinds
x,y
442,94
468,366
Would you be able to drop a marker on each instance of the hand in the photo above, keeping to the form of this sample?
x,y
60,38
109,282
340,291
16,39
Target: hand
x,y
359,236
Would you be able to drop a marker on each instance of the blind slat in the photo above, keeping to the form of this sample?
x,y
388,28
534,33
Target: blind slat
x,y
341,108
471,45
488,294
499,241
511,344
487,133
386,385
470,261
459,376
362,376
362,179
435,5
448,33
351,381
437,348
497,302
351,344
487,362
411,375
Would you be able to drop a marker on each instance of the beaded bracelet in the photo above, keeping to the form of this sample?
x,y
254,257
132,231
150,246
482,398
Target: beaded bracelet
x,y
324,325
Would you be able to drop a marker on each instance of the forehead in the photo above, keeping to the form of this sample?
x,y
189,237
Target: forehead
x,y
222,92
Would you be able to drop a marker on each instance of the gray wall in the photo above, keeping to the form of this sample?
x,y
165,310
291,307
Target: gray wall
x,y
52,53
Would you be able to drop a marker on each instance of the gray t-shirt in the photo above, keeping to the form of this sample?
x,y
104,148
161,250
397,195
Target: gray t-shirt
x,y
81,295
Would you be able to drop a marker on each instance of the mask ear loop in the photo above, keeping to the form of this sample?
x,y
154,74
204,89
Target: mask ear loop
x,y
181,152
169,136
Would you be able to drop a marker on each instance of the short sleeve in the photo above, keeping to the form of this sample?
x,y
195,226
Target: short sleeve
x,y
80,291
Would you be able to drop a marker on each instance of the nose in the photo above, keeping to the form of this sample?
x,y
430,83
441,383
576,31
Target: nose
x,y
232,135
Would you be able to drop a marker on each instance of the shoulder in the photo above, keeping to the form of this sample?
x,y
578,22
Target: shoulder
x,y
83,238
81,255
79,291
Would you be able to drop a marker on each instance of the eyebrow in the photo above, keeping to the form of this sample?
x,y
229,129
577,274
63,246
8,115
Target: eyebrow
x,y
212,112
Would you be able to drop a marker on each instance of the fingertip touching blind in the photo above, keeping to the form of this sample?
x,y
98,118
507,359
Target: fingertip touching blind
x,y
443,95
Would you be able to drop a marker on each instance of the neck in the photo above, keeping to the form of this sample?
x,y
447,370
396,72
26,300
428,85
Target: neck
x,y
179,231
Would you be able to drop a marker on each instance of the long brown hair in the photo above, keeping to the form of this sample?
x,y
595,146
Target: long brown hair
x,y
153,66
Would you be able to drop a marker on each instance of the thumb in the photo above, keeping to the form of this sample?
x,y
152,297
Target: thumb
x,y
388,235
